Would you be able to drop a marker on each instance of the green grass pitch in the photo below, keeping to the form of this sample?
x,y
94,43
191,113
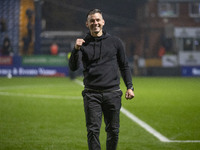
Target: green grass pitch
x,y
47,114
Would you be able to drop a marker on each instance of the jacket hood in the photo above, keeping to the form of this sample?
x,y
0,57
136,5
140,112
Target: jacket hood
x,y
89,37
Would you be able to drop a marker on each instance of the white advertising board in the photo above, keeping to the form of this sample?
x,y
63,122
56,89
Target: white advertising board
x,y
169,61
189,58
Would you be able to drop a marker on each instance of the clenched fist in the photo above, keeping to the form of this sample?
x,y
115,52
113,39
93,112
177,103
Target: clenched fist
x,y
79,43
129,94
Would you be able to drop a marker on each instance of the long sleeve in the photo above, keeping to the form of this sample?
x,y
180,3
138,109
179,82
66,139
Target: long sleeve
x,y
123,65
74,60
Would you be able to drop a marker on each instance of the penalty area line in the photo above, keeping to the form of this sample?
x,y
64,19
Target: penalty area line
x,y
152,131
144,125
147,127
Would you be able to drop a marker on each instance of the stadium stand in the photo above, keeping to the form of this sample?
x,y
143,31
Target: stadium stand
x,y
9,12
64,40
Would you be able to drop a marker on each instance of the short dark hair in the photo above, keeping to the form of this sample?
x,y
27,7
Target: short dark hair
x,y
93,11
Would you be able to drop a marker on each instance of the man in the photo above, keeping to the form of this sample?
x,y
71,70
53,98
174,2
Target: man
x,y
7,48
102,55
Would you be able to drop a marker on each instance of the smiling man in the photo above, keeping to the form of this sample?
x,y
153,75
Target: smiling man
x,y
102,56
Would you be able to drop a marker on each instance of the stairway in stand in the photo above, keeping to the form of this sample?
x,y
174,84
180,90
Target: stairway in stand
x,y
26,27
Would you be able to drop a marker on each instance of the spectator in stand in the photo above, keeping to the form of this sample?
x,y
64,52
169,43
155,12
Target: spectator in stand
x,y
7,48
54,49
3,27
161,51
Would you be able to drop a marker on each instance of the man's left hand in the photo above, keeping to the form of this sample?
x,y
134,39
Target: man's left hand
x,y
129,94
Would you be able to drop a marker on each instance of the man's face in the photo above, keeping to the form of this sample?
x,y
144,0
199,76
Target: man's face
x,y
95,24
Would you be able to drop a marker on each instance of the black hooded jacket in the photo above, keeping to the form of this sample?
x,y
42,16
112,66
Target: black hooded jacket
x,y
102,57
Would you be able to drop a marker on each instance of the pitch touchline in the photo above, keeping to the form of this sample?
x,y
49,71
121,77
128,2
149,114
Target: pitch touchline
x,y
147,127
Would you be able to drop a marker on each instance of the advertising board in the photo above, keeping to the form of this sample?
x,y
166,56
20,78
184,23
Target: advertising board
x,y
34,66
190,71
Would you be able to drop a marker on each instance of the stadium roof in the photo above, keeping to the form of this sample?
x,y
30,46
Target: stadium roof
x,y
179,0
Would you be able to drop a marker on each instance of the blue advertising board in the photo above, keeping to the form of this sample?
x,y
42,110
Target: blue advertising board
x,y
14,66
34,71
191,71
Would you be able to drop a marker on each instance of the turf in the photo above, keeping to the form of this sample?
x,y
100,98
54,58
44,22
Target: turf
x,y
47,114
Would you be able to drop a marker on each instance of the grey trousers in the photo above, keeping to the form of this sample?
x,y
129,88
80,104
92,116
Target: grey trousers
x,y
96,104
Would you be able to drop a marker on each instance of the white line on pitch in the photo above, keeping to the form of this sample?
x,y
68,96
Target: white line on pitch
x,y
79,82
151,130
27,86
41,96
147,127
185,141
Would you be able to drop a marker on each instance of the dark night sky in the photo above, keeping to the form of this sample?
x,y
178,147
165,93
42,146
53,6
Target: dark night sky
x,y
71,14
